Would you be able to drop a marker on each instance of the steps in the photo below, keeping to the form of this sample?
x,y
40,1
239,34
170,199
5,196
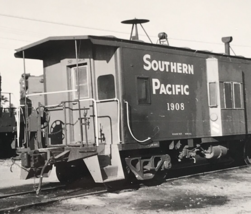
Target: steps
x,y
106,167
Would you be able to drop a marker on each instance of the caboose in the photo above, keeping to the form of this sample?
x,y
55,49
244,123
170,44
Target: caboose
x,y
115,108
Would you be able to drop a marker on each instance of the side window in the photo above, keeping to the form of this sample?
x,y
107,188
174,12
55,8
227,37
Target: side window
x,y
228,95
213,94
143,89
232,95
80,78
237,95
106,87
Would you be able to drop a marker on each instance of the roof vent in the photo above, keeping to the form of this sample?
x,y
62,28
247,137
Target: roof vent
x,y
163,38
134,32
227,41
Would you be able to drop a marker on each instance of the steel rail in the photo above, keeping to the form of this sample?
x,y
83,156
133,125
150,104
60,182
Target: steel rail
x,y
206,173
60,198
29,192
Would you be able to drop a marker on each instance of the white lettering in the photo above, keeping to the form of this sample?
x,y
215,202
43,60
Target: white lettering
x,y
184,68
156,85
177,89
155,65
175,106
162,89
186,90
179,70
170,89
166,65
145,58
173,67
158,65
161,66
190,69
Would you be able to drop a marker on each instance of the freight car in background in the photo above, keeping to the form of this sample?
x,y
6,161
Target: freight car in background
x,y
12,125
115,107
7,125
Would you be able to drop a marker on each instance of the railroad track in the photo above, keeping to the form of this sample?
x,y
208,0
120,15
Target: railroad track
x,y
29,192
17,201
47,198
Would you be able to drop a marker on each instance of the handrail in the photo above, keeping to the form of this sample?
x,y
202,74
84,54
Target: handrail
x,y
129,128
95,116
51,92
61,104
117,100
95,113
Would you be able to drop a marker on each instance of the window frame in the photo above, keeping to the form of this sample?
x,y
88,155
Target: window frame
x,y
233,94
214,105
74,82
240,96
148,91
225,97
114,86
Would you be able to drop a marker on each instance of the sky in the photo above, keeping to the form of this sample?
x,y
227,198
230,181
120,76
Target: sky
x,y
197,24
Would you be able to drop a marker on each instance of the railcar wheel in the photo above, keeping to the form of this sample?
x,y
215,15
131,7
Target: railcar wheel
x,y
115,185
68,172
130,182
247,152
63,174
158,179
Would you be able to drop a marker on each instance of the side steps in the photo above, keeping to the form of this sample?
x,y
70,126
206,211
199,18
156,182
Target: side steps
x,y
106,167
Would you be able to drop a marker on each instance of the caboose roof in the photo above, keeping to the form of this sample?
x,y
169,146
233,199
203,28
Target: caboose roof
x,y
39,49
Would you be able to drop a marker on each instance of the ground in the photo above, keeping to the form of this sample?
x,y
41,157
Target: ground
x,y
10,175
226,192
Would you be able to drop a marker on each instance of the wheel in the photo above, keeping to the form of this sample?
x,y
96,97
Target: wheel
x,y
130,182
115,185
158,179
68,172
63,173
236,152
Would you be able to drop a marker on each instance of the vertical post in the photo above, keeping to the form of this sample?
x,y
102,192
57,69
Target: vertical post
x,y
78,90
136,37
131,32
10,110
39,132
24,74
245,102
78,81
65,122
25,105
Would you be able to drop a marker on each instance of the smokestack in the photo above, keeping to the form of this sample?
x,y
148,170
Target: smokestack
x,y
227,41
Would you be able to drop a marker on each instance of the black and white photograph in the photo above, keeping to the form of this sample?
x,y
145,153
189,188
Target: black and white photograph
x,y
125,106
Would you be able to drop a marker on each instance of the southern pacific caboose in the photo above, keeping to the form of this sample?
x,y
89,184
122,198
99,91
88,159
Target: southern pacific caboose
x,y
115,107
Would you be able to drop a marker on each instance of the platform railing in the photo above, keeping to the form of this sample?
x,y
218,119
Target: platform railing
x,y
63,107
